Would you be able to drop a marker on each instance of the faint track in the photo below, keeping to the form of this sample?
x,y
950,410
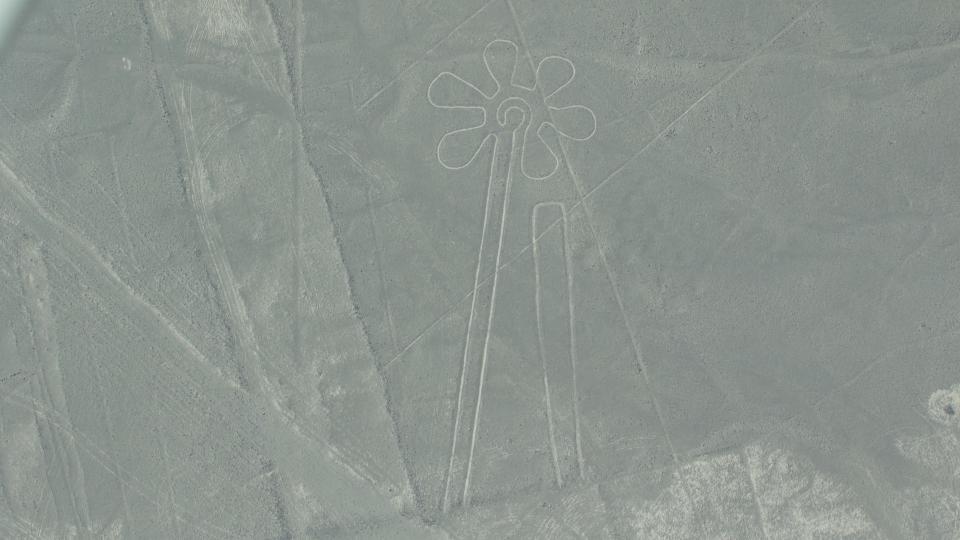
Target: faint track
x,y
464,363
88,261
541,346
289,33
419,59
252,376
490,317
48,388
571,329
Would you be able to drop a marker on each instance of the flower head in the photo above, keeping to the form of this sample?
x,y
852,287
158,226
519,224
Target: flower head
x,y
541,106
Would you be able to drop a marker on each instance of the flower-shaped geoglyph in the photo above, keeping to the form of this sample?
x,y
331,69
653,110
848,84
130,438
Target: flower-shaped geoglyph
x,y
487,104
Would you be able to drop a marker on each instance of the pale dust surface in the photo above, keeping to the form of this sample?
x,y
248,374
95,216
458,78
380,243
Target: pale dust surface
x,y
480,269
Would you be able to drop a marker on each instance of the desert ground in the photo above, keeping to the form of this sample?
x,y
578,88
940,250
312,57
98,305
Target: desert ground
x,y
480,269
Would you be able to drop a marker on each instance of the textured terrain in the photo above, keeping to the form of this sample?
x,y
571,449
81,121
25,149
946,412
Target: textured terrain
x,y
480,269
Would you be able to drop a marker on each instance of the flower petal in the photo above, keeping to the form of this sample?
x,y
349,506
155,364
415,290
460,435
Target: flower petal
x,y
457,149
449,91
574,122
553,74
500,56
538,160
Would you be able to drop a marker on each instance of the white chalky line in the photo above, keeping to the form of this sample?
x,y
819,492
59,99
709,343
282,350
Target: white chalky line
x,y
517,137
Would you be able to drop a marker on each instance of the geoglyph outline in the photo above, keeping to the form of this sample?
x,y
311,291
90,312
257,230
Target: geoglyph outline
x,y
501,121
505,103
